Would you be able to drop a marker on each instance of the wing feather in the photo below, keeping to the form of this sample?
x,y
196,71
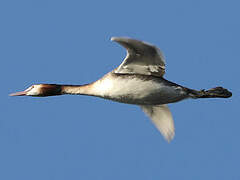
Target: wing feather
x,y
162,119
142,58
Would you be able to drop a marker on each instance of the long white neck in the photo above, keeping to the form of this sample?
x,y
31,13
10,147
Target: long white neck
x,y
77,89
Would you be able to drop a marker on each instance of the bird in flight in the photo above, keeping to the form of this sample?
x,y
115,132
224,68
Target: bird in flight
x,y
138,80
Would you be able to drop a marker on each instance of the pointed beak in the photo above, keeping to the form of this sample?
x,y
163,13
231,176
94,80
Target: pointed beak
x,y
21,93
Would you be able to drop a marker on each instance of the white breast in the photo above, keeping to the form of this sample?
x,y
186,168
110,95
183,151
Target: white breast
x,y
136,91
122,86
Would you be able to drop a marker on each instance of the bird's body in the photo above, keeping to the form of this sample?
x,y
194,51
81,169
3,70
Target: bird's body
x,y
138,80
135,89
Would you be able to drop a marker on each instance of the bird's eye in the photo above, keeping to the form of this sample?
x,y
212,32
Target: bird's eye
x,y
31,87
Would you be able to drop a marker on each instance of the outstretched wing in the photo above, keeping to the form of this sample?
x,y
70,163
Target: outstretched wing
x,y
162,119
142,58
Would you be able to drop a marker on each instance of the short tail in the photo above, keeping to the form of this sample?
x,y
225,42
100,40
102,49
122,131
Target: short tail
x,y
217,92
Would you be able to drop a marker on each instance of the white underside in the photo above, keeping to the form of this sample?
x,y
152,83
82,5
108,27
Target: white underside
x,y
137,91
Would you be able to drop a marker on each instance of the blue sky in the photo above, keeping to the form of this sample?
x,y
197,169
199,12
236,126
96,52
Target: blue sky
x,y
77,137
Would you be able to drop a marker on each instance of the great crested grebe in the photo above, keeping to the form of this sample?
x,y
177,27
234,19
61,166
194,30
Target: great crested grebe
x,y
138,80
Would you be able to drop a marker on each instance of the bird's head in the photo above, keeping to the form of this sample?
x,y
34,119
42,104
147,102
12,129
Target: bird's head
x,y
40,90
